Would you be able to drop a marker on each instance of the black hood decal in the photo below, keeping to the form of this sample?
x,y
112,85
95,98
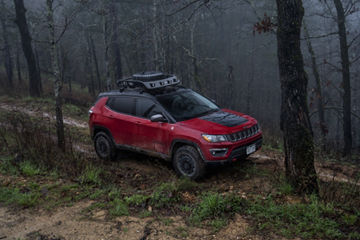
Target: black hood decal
x,y
225,119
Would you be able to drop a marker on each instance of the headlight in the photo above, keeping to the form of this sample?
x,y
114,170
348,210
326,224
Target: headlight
x,y
214,138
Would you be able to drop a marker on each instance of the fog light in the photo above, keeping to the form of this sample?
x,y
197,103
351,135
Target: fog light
x,y
218,152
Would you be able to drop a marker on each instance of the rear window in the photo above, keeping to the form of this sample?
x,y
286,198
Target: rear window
x,y
122,104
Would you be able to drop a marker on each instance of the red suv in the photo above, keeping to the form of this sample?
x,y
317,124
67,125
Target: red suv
x,y
151,114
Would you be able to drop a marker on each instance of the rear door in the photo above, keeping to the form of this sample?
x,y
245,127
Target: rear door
x,y
153,136
120,111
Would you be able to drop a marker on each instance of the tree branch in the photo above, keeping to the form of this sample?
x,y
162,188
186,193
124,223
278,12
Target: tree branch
x,y
353,40
320,36
338,109
186,6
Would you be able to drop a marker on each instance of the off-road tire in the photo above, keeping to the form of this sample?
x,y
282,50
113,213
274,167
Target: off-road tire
x,y
105,147
188,162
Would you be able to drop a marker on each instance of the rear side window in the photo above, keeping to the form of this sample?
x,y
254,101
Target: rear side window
x,y
146,108
122,104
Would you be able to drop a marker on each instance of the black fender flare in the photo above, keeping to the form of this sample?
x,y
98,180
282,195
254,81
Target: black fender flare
x,y
99,128
186,142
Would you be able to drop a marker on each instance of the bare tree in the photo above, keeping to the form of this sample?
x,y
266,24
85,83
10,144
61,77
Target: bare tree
x,y
295,122
56,74
34,76
345,63
116,62
8,63
318,91
106,32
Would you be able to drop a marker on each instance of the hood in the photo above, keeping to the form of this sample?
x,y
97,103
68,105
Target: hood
x,y
220,122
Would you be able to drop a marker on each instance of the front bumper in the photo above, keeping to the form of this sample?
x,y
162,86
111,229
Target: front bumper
x,y
235,152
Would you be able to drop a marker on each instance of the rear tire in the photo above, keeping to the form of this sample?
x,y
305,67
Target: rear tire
x,y
104,146
188,162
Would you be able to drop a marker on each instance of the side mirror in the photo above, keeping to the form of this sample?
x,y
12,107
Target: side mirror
x,y
158,118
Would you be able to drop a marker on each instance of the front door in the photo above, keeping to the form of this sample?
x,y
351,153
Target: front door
x,y
151,136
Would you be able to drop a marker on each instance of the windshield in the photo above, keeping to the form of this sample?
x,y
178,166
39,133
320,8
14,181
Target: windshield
x,y
184,105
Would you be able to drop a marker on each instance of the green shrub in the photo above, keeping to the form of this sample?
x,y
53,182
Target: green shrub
x,y
6,166
186,184
97,194
29,169
114,193
164,195
91,175
214,206
118,208
299,219
349,219
14,196
354,236
136,199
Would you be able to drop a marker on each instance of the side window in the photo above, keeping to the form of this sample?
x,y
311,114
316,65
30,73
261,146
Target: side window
x,y
122,104
146,108
155,110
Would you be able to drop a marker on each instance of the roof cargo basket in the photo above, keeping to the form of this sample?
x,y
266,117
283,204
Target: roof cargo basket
x,y
149,81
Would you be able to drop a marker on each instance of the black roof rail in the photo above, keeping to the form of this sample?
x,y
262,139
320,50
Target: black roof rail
x,y
148,81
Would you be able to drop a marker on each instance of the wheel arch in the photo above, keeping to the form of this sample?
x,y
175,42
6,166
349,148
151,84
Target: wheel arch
x,y
177,143
98,128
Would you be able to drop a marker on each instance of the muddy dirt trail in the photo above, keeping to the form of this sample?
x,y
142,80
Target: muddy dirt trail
x,y
69,223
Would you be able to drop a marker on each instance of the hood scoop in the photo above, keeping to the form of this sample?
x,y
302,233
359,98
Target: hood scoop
x,y
225,119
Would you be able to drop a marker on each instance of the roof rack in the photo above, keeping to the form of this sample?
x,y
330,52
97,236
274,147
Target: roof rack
x,y
148,81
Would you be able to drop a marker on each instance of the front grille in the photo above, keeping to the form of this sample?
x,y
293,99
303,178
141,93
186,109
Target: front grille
x,y
234,137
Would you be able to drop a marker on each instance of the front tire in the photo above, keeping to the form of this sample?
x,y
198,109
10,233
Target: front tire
x,y
104,146
188,162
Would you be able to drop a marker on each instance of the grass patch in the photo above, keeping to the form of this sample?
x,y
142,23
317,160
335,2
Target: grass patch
x,y
91,176
136,200
7,166
307,221
29,169
216,209
118,208
186,184
145,214
13,196
164,195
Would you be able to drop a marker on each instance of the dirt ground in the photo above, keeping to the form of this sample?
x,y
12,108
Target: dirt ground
x,y
70,223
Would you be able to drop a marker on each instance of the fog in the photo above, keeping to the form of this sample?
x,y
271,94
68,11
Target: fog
x,y
211,46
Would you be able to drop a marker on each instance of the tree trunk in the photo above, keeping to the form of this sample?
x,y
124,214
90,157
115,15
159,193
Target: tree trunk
x,y
56,75
195,66
93,51
8,64
319,97
231,82
106,43
115,48
18,65
37,59
89,64
154,35
344,49
34,78
295,122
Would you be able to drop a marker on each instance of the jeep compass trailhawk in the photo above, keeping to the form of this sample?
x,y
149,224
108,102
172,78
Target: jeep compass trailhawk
x,y
152,114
